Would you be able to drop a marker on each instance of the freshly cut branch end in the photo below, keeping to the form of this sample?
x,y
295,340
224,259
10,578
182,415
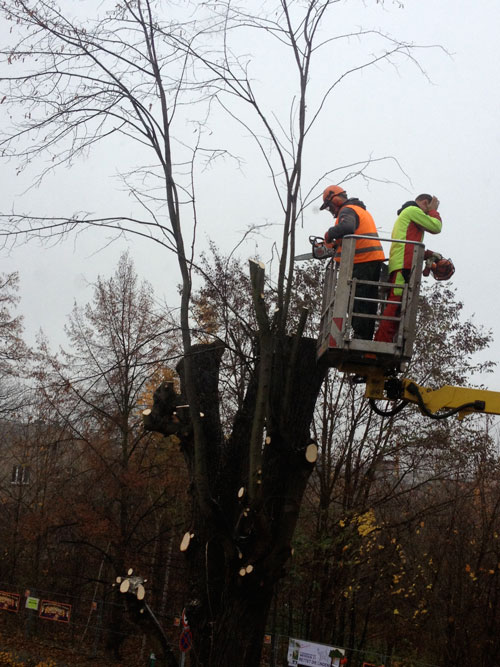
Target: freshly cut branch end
x,y
185,541
258,264
124,586
311,453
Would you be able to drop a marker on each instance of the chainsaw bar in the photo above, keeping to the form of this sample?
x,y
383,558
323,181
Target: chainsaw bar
x,y
319,249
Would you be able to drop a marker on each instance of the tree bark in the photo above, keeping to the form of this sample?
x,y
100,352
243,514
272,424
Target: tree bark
x,y
237,555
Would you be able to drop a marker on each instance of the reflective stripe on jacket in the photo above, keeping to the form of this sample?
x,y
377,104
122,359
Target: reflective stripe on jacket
x,y
410,225
367,250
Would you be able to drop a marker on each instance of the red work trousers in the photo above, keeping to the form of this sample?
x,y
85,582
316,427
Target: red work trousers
x,y
388,329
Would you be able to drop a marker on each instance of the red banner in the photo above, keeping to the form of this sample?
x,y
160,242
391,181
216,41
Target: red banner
x,y
55,611
9,601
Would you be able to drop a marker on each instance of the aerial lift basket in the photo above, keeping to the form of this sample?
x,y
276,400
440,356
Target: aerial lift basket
x,y
337,345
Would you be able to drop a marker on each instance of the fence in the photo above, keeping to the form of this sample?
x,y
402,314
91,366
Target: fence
x,y
76,630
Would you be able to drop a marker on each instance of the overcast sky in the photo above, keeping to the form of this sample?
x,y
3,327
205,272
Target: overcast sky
x,y
443,129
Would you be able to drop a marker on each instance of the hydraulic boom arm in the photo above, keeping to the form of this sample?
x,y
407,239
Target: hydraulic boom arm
x,y
435,403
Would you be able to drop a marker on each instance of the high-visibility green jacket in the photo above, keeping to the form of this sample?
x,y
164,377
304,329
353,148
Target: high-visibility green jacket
x,y
410,225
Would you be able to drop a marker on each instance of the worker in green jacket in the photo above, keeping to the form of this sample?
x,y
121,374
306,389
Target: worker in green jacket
x,y
414,219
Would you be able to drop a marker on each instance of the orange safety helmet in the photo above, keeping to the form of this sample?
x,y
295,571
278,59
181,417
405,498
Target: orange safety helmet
x,y
333,195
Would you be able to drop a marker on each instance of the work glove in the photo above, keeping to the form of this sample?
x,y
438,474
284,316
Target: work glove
x,y
430,258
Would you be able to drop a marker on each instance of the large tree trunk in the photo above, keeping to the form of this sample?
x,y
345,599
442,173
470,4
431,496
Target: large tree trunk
x,y
236,555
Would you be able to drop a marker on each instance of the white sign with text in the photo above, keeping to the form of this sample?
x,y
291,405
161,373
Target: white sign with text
x,y
308,654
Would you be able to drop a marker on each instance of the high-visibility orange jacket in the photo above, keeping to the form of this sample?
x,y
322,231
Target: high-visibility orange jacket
x,y
353,218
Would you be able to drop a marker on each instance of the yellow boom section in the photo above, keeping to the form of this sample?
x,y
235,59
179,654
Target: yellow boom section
x,y
454,400
463,399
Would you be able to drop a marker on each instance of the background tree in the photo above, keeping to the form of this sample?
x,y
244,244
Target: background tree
x,y
96,390
365,562
13,350
14,402
396,552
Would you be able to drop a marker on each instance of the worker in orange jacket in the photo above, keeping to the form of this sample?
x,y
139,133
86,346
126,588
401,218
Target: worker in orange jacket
x,y
414,219
351,217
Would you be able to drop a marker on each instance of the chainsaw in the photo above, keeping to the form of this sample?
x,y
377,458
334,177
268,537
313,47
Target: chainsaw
x,y
320,249
438,266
